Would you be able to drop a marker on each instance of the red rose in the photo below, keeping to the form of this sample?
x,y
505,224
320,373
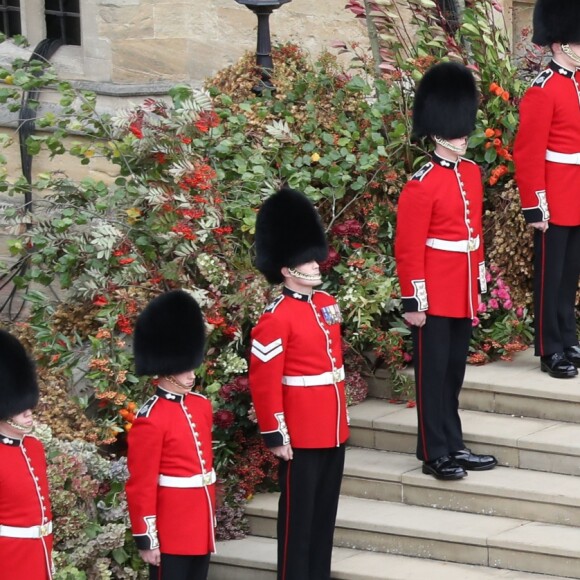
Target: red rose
x,y
224,419
332,260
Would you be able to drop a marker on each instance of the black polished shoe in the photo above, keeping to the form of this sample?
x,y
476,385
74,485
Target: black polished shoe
x,y
572,353
473,462
558,366
444,468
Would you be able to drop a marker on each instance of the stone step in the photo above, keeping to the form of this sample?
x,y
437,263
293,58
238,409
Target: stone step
x,y
463,538
254,558
516,387
527,443
515,493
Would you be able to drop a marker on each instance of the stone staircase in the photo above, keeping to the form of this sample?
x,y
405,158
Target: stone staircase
x,y
519,521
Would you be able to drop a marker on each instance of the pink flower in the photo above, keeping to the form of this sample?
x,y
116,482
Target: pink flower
x,y
407,357
488,277
503,294
508,304
482,307
519,312
475,321
493,304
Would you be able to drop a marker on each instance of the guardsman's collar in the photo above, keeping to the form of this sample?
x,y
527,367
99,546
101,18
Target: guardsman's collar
x,y
297,295
10,441
447,163
173,397
560,69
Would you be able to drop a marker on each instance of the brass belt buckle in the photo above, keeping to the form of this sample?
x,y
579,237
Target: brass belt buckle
x,y
206,478
43,530
336,375
471,244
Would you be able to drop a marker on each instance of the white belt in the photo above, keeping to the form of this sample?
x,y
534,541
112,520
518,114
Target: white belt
x,y
567,158
327,378
28,533
453,246
200,480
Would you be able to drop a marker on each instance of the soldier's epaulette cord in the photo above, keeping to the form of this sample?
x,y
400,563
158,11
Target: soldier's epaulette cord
x,y
421,173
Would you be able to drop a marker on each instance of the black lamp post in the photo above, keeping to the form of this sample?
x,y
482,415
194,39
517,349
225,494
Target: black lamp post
x,y
262,9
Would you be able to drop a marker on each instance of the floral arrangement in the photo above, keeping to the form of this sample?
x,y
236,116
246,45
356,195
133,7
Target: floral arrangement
x,y
500,327
191,172
89,511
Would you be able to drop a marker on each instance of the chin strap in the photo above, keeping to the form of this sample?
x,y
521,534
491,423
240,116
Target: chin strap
x,y
171,379
18,427
301,276
450,146
570,53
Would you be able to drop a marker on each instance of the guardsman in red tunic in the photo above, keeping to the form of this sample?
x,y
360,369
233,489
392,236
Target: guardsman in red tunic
x,y
297,384
547,159
440,264
171,487
25,514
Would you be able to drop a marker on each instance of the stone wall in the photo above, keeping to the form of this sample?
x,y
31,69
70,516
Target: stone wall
x,y
142,42
143,46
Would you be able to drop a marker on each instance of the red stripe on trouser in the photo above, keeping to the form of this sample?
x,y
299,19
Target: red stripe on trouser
x,y
420,391
543,276
287,521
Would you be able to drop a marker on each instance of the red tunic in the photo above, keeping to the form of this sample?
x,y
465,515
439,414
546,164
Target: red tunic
x,y
172,436
299,336
549,120
24,502
443,202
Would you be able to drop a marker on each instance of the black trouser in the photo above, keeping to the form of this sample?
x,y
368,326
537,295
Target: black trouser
x,y
175,567
556,272
440,355
310,486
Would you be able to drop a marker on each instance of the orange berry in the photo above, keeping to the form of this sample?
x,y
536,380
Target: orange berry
x,y
128,426
497,142
130,417
489,133
131,407
488,144
493,87
498,91
497,132
123,413
505,96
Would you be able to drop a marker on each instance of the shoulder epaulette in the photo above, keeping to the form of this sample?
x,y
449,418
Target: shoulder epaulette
x,y
273,305
543,78
145,409
420,175
468,161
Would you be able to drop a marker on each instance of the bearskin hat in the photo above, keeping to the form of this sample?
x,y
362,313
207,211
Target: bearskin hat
x,y
288,233
18,385
446,102
556,21
169,335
